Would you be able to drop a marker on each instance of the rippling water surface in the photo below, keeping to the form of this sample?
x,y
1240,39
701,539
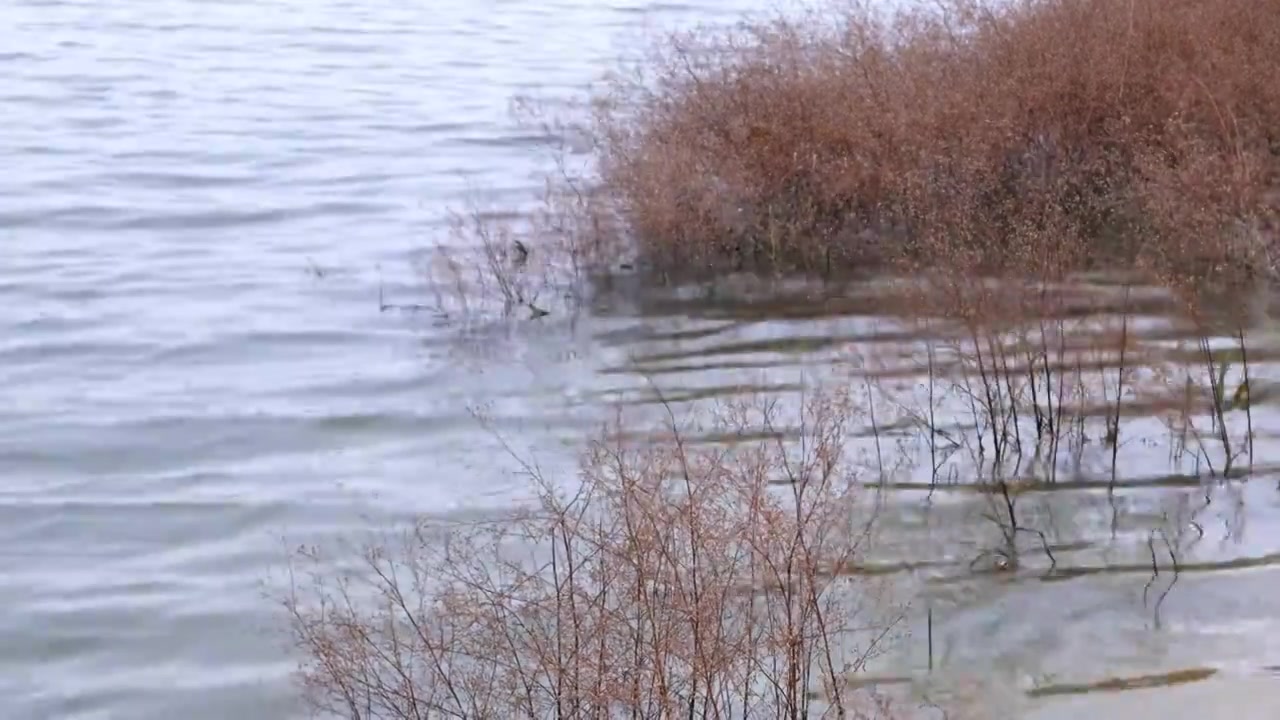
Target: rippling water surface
x,y
200,204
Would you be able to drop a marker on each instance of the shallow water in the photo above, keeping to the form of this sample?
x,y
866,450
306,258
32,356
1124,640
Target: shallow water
x,y
201,207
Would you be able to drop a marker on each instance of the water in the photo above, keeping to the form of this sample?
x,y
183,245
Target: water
x,y
200,206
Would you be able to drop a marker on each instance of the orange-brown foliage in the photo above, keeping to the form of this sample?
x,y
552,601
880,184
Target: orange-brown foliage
x,y
1026,135
676,579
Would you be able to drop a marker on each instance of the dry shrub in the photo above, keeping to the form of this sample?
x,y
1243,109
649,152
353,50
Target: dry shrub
x,y
1023,135
671,581
546,259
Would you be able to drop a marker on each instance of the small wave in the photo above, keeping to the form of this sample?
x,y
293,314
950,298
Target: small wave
x,y
233,218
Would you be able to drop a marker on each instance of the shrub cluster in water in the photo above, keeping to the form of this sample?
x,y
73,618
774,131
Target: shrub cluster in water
x,y
1033,136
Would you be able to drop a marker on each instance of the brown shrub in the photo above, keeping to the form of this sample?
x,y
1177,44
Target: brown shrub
x,y
1030,135
673,580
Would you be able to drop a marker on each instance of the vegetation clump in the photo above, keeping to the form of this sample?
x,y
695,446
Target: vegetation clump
x,y
1027,136
1017,138
677,579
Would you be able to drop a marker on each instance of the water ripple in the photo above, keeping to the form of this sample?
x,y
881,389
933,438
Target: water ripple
x,y
201,204
181,384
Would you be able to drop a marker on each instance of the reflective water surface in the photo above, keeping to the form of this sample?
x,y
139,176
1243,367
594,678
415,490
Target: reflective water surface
x,y
200,207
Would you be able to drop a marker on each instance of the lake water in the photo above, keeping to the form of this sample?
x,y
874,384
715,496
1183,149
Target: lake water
x,y
200,206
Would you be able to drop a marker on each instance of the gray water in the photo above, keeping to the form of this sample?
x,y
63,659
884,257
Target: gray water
x,y
200,206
